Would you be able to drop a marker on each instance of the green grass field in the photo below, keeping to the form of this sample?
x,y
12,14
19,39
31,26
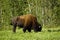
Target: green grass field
x,y
46,34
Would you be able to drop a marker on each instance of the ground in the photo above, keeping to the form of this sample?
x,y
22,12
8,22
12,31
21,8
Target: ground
x,y
46,34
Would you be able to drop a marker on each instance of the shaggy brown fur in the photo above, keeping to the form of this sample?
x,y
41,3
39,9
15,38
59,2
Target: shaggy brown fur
x,y
27,22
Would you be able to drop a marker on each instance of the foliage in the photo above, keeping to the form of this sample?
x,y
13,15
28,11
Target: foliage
x,y
46,11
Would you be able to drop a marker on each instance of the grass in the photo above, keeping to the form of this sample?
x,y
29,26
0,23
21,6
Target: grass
x,y
46,34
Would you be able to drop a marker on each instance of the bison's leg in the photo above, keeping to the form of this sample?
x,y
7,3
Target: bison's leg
x,y
14,28
24,29
29,29
35,28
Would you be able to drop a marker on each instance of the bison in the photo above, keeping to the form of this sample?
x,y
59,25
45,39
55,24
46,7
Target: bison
x,y
27,22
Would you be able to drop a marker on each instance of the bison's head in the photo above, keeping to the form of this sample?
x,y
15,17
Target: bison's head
x,y
38,28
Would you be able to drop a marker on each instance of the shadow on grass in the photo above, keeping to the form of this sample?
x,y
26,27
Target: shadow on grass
x,y
54,30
